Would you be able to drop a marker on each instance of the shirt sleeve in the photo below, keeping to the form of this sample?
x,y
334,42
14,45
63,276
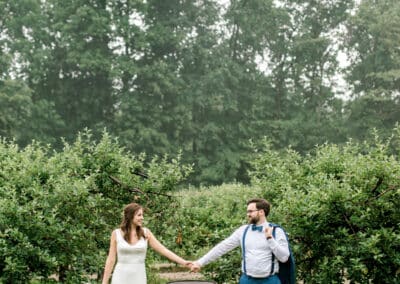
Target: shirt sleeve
x,y
222,248
279,245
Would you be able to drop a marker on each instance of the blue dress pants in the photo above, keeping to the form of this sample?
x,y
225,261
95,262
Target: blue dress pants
x,y
245,279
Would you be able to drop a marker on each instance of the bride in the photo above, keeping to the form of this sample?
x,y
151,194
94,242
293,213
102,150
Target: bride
x,y
128,246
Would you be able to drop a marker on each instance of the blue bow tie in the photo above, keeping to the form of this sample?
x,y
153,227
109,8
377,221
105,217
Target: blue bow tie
x,y
256,228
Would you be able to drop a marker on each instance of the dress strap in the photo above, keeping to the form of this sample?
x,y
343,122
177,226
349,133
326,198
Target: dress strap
x,y
118,233
145,232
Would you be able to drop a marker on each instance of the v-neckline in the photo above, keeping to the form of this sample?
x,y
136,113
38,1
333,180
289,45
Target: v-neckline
x,y
134,243
129,242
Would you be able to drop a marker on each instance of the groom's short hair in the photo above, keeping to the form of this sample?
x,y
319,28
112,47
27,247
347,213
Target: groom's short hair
x,y
261,204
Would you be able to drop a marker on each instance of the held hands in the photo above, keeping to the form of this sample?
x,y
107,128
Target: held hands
x,y
192,265
188,264
195,267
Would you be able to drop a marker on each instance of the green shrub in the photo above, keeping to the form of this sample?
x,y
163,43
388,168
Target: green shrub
x,y
340,206
57,209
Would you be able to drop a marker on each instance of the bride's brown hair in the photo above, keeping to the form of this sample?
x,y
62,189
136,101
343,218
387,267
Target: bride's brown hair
x,y
130,211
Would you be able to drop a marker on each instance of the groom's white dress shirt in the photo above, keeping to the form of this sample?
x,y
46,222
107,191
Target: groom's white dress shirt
x,y
258,250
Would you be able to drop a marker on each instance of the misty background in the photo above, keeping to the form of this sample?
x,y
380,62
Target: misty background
x,y
204,78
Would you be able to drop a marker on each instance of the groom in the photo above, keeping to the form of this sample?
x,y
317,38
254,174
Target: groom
x,y
258,247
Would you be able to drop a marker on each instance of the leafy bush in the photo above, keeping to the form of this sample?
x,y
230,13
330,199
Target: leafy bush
x,y
340,205
57,209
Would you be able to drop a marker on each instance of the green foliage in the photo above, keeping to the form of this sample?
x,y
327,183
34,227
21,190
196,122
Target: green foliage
x,y
373,39
370,112
162,75
15,107
200,77
340,206
60,51
21,118
58,208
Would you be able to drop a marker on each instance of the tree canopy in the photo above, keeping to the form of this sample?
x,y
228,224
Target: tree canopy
x,y
201,77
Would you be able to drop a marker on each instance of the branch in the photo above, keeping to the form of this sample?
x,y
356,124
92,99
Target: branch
x,y
392,187
346,219
380,180
117,181
143,175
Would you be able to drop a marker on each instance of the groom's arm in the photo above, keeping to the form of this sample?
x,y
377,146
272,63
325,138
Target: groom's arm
x,y
222,248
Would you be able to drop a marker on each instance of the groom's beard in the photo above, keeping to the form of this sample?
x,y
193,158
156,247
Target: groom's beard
x,y
254,220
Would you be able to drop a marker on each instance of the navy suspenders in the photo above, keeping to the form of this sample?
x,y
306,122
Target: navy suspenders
x,y
244,249
273,256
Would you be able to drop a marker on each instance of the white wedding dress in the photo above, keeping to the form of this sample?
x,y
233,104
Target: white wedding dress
x,y
130,267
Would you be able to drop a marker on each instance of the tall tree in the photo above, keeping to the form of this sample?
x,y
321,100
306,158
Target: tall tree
x,y
292,44
21,118
260,41
62,52
175,98
210,75
315,27
151,87
373,48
